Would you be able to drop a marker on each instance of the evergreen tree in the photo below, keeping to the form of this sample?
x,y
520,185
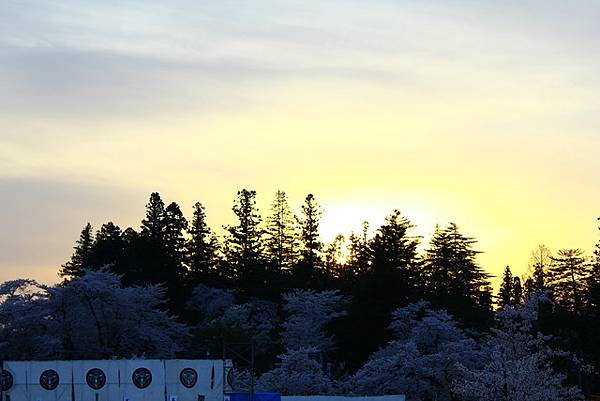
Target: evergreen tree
x,y
243,245
517,297
134,250
109,248
80,259
175,225
453,278
281,239
306,272
539,265
391,282
593,281
153,225
334,258
395,267
596,260
394,249
152,242
359,253
569,272
202,247
505,294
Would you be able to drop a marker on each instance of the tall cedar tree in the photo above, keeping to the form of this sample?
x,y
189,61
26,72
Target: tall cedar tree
x,y
134,258
334,262
202,248
453,278
569,272
243,245
81,258
281,240
539,266
173,270
392,281
175,225
109,248
395,250
505,294
152,239
153,225
517,298
594,281
590,330
359,254
307,271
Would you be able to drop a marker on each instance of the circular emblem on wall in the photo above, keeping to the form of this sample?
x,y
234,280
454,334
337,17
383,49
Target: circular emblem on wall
x,y
49,379
95,378
6,380
188,377
141,377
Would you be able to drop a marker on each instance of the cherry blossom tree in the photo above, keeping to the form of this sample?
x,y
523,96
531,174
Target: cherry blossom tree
x,y
297,374
519,363
256,319
309,312
92,316
422,362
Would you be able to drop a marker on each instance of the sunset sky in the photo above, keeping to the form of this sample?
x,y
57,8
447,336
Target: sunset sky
x,y
485,113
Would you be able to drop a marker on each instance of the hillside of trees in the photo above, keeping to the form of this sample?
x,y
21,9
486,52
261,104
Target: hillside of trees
x,y
379,317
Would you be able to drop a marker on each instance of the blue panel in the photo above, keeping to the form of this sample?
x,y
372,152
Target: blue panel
x,y
257,397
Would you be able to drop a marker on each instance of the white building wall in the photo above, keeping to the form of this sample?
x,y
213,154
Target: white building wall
x,y
165,383
62,391
208,385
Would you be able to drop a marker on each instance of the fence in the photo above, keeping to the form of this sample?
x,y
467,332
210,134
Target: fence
x,y
112,380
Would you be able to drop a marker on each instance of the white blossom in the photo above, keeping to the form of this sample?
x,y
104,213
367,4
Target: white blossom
x,y
309,313
422,361
89,317
519,364
297,374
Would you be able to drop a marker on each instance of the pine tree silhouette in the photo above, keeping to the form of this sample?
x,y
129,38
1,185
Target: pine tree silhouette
x,y
81,258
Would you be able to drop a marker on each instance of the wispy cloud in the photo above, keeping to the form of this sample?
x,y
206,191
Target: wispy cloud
x,y
395,99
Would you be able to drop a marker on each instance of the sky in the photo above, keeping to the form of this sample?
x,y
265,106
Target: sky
x,y
483,113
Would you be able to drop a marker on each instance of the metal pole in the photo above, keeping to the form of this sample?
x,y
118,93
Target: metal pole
x,y
251,371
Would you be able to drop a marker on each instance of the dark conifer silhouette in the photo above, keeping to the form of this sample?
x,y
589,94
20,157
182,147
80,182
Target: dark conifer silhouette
x,y
505,294
569,273
244,245
454,279
152,242
333,259
109,249
389,281
307,270
593,281
517,297
153,225
202,248
359,255
81,258
281,239
378,274
175,226
539,266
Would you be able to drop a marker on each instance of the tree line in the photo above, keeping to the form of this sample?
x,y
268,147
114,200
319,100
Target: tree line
x,y
258,261
264,258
